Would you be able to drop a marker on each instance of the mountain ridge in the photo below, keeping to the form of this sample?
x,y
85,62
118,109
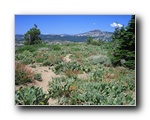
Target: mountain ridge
x,y
97,34
80,37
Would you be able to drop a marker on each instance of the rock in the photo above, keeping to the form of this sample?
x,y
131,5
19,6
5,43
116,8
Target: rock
x,y
122,61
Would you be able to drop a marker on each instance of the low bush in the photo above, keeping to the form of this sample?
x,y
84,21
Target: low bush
x,y
38,77
61,87
47,63
23,74
71,66
71,73
96,75
71,91
52,60
33,66
31,48
100,59
95,93
41,56
39,60
25,57
31,96
56,47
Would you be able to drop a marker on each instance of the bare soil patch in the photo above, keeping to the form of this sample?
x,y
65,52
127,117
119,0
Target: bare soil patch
x,y
83,76
46,73
67,58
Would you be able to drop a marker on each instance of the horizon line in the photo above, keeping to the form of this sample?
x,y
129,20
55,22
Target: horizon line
x,y
65,33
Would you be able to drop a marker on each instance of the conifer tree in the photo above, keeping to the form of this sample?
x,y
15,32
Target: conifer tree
x,y
32,36
124,45
128,45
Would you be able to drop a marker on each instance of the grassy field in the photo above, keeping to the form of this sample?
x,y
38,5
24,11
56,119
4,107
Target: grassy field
x,y
77,74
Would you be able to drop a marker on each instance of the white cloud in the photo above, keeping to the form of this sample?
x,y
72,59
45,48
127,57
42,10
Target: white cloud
x,y
116,25
120,25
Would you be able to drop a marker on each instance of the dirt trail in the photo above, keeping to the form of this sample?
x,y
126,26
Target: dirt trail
x,y
67,58
47,74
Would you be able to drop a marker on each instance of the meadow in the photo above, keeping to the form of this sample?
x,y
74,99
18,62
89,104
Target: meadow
x,y
71,74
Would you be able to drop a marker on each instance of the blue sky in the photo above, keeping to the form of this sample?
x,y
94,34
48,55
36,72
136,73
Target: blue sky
x,y
69,24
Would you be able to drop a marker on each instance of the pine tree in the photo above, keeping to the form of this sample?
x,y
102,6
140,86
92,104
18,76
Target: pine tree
x,y
128,45
117,39
124,45
32,36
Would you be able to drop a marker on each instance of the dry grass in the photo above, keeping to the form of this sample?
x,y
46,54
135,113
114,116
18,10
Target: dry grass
x,y
71,73
23,74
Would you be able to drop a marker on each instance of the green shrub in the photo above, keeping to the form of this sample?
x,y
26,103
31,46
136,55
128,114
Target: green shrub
x,y
63,67
73,91
56,47
26,57
47,63
41,56
31,96
89,40
43,49
95,93
71,73
100,59
87,67
33,66
31,48
59,87
38,77
39,60
96,75
52,60
23,74
94,42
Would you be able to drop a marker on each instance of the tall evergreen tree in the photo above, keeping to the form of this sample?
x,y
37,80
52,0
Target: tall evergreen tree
x,y
117,39
124,45
128,45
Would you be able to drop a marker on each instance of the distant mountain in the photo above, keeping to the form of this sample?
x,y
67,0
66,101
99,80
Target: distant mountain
x,y
63,37
96,34
19,37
